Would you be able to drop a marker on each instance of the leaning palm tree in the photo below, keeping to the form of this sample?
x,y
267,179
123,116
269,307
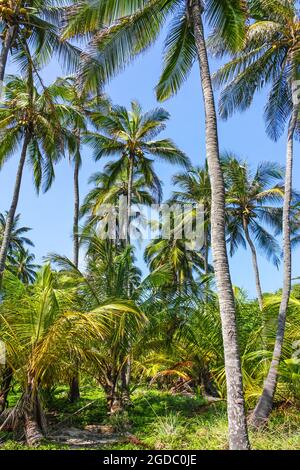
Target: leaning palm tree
x,y
252,201
29,119
39,23
133,27
270,57
130,136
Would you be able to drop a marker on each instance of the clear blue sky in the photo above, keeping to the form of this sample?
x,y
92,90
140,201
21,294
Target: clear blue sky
x,y
50,215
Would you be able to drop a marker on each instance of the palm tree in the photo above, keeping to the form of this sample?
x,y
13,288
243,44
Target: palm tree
x,y
195,189
38,21
45,336
134,27
108,190
83,103
270,56
29,118
21,264
18,239
250,200
110,270
130,135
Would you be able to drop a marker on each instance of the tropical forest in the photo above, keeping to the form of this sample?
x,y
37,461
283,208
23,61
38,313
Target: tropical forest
x,y
149,225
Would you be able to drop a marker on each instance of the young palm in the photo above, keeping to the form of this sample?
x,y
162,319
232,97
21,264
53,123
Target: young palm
x,y
270,57
37,22
252,201
29,119
46,335
130,136
135,27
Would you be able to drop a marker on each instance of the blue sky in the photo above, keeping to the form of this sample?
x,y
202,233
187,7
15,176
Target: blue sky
x,y
50,215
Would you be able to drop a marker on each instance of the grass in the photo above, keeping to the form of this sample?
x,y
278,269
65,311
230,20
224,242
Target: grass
x,y
164,421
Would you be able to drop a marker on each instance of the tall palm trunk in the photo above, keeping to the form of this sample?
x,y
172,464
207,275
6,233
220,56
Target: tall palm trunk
x,y
129,195
7,44
238,436
255,265
74,392
13,207
126,369
76,214
265,403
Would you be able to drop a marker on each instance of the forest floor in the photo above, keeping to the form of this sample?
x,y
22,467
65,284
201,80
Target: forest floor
x,y
157,420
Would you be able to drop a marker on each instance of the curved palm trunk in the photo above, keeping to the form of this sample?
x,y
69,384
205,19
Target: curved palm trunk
x,y
265,403
13,207
7,44
238,436
255,266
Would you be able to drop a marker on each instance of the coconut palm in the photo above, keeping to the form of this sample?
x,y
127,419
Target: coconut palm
x,y
133,27
83,103
109,190
37,22
252,200
130,136
194,188
45,336
110,270
270,57
29,119
18,239
22,264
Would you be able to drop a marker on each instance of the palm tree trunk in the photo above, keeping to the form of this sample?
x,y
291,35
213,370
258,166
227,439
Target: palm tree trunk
x,y
34,418
74,392
238,435
76,214
126,369
129,196
13,207
7,43
5,387
265,403
255,265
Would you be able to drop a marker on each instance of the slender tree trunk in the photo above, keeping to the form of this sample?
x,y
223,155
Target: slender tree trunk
x,y
76,214
255,265
7,44
126,369
238,436
13,207
74,392
5,387
129,195
265,404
